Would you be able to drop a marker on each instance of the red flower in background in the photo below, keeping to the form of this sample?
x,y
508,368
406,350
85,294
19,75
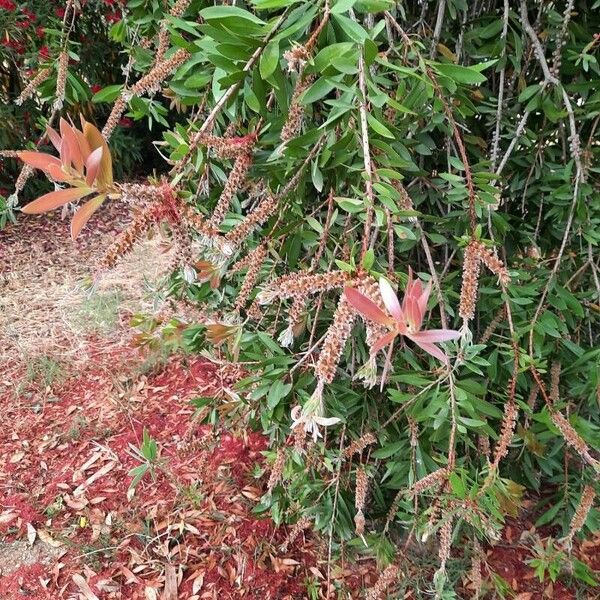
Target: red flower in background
x,y
60,12
44,52
23,24
40,31
113,17
18,47
7,5
126,122
95,87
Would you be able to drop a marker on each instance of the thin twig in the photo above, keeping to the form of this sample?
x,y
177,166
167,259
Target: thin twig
x,y
364,128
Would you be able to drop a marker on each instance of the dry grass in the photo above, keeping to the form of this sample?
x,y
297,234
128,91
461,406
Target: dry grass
x,y
53,304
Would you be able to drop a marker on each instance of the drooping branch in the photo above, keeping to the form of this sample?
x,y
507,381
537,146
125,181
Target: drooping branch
x,y
222,102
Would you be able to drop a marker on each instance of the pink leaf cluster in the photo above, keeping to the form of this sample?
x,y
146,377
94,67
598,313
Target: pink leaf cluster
x,y
84,162
404,318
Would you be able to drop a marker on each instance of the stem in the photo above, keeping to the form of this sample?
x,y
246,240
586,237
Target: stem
x,y
496,139
366,153
438,28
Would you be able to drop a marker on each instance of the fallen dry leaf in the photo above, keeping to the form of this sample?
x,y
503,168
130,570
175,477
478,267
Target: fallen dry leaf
x,y
170,591
48,539
83,586
17,457
31,534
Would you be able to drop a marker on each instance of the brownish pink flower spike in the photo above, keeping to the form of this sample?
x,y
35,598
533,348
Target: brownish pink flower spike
x,y
470,282
387,579
293,123
236,179
335,340
581,513
258,257
33,85
475,254
229,146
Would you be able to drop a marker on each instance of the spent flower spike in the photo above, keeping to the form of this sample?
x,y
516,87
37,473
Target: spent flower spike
x,y
404,319
310,416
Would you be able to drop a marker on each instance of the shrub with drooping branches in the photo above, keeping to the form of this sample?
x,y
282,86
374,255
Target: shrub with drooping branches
x,y
334,152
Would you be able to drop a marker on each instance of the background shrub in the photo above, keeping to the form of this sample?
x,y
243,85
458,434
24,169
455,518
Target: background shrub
x,y
315,146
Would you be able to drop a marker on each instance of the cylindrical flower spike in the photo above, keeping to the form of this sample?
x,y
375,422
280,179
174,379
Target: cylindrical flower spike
x,y
234,183
33,85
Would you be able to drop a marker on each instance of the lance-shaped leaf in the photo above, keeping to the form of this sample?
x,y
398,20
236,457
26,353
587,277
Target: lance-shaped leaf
x,y
56,172
366,307
430,349
54,137
390,299
70,147
383,341
92,165
84,145
96,140
83,214
39,160
53,200
435,336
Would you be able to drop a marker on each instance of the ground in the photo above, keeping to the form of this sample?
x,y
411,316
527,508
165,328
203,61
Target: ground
x,y
77,396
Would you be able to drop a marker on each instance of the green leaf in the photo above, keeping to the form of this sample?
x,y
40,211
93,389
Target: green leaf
x,y
352,29
379,127
460,74
351,205
317,176
458,486
389,450
368,259
327,55
226,12
342,6
374,6
277,392
137,473
317,90
107,94
265,4
269,60
371,52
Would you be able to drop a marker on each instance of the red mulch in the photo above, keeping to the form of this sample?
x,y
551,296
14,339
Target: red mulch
x,y
65,463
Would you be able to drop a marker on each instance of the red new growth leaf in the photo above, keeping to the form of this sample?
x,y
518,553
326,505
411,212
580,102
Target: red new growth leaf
x,y
95,140
54,200
70,147
406,319
367,307
84,164
54,138
83,214
92,165
39,160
